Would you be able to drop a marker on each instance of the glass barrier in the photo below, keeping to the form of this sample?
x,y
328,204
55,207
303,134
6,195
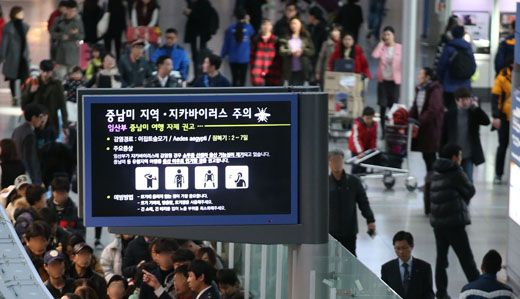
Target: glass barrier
x,y
263,271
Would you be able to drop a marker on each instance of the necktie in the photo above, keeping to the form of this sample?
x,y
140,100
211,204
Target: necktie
x,y
406,278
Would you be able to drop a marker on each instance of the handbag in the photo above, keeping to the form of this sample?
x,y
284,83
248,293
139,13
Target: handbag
x,y
102,25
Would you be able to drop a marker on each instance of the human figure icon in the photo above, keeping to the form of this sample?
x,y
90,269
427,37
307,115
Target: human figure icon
x,y
149,180
209,177
179,179
241,183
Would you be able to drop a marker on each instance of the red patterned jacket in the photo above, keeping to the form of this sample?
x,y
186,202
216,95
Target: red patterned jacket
x,y
265,63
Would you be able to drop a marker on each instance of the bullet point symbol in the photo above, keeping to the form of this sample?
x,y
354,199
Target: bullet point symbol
x,y
108,138
108,196
108,148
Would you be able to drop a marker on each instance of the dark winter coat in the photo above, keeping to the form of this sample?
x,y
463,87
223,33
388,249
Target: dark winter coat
x,y
68,218
50,95
286,55
477,117
344,195
117,21
319,34
10,171
90,17
25,140
136,252
430,119
450,194
198,24
350,16
12,50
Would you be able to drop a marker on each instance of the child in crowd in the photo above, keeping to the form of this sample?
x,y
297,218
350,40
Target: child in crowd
x,y
117,287
74,82
95,63
363,137
64,207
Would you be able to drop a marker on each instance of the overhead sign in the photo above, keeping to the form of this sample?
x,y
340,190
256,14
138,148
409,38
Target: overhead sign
x,y
188,160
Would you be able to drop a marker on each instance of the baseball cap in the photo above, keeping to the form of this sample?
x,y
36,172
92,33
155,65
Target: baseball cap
x,y
137,42
21,180
52,255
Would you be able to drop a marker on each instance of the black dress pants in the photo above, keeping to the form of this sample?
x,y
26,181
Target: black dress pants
x,y
348,242
238,73
457,238
503,143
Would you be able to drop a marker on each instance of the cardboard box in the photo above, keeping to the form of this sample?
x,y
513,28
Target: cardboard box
x,y
344,87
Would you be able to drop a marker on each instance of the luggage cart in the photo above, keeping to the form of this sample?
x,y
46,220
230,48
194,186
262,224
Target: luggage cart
x,y
398,142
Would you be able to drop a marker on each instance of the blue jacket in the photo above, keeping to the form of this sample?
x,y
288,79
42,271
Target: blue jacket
x,y
506,48
238,52
443,68
179,58
207,81
486,287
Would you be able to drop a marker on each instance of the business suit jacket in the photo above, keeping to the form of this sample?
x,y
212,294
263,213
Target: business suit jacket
x,y
421,284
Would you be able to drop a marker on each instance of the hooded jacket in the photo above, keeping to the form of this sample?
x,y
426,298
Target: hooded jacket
x,y
450,194
443,68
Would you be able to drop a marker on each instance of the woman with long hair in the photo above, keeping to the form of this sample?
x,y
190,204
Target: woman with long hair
x,y
347,49
296,50
237,45
10,163
14,50
265,63
388,73
108,76
145,13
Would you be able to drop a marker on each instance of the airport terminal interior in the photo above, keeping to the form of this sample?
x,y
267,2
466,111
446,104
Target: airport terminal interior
x,y
394,209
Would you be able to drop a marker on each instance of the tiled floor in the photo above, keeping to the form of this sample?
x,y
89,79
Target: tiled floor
x,y
395,210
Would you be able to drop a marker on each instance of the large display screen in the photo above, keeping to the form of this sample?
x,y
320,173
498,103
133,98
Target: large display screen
x,y
173,160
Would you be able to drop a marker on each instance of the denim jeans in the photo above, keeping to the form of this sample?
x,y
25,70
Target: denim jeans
x,y
375,16
467,166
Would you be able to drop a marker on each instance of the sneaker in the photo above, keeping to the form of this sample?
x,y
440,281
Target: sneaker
x,y
497,180
98,244
421,188
14,102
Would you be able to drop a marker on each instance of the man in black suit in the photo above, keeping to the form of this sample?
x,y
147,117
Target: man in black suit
x,y
200,280
408,276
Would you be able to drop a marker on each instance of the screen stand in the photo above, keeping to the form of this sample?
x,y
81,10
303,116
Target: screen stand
x,y
307,268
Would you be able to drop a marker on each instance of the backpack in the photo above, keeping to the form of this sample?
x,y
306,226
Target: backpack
x,y
461,65
213,21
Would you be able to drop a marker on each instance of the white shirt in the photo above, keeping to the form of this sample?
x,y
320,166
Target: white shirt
x,y
163,80
202,292
388,74
401,268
